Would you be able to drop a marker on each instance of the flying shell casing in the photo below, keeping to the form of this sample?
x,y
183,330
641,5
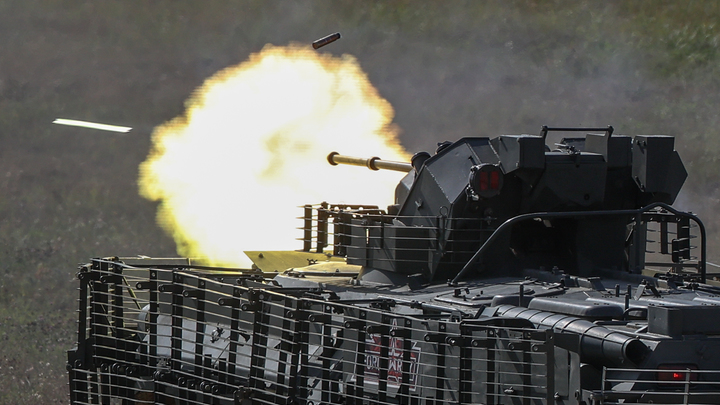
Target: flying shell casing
x,y
326,40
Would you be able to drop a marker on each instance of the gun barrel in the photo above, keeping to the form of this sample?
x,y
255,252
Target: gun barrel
x,y
373,163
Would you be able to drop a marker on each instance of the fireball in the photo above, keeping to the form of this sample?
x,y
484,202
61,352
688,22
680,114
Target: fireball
x,y
251,146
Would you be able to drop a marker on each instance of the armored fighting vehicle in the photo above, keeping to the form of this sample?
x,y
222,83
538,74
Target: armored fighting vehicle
x,y
506,272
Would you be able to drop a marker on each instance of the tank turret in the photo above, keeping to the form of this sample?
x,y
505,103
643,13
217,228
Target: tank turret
x,y
450,205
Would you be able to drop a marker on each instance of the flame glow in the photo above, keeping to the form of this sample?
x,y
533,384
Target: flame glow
x,y
231,173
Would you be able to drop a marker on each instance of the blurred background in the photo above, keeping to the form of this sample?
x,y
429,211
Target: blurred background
x,y
449,69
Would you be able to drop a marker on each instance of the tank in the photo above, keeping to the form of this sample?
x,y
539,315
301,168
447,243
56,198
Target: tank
x,y
505,272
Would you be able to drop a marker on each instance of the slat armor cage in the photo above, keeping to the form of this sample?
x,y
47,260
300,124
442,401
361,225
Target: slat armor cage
x,y
173,334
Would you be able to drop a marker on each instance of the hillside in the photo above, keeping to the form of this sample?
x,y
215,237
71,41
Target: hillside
x,y
449,69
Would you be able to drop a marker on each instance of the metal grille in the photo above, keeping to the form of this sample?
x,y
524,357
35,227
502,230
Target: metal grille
x,y
671,242
176,336
662,240
369,236
660,386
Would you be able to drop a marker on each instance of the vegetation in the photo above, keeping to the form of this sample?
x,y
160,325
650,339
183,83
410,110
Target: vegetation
x,y
450,69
